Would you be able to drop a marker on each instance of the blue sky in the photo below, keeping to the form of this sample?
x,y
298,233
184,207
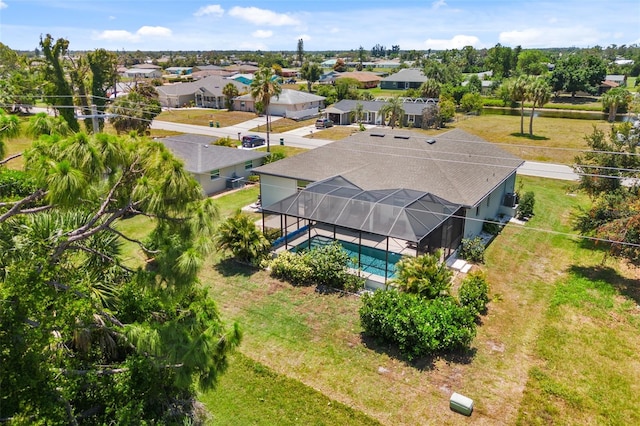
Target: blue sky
x,y
322,24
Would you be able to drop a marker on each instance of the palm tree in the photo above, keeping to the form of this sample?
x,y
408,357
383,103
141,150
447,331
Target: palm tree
x,y
518,93
539,93
44,124
614,99
240,235
430,89
263,87
358,112
394,109
230,91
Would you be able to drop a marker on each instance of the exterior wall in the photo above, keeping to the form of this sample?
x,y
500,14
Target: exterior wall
x,y
176,101
274,188
489,208
211,186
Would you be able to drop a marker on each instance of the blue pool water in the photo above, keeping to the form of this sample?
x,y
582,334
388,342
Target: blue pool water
x,y
372,260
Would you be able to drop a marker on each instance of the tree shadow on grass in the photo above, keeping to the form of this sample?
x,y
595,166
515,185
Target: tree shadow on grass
x,y
426,363
530,137
625,286
231,268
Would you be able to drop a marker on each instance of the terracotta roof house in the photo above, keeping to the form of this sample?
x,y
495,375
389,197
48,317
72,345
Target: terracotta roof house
x,y
367,80
383,186
342,111
205,93
290,103
406,78
216,168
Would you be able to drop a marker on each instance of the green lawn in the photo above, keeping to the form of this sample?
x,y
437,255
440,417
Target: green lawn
x,y
522,366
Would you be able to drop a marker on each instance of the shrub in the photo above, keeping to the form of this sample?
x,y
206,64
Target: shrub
x,y
240,235
226,141
417,326
423,275
491,226
292,267
472,250
323,266
15,183
526,204
474,292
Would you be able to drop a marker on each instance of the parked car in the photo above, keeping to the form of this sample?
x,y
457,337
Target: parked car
x,y
323,123
251,141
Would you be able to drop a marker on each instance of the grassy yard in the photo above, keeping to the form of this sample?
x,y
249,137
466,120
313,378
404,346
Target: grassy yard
x,y
282,125
555,347
202,116
555,140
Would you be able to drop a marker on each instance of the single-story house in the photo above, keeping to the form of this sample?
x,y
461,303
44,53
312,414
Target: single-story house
x,y
290,73
329,63
342,111
406,78
243,68
143,73
620,79
216,168
329,77
290,103
486,86
147,66
179,70
205,93
367,80
245,79
387,185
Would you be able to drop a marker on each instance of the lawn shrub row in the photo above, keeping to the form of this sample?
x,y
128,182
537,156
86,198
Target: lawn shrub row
x,y
323,266
15,183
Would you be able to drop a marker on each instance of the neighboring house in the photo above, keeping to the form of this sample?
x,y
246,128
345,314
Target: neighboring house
x,y
620,80
179,70
290,103
329,77
245,79
342,111
143,73
216,168
367,80
290,73
384,185
329,63
242,69
147,66
205,93
487,85
607,85
406,78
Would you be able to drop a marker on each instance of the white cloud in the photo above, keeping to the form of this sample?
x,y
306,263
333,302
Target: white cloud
x,y
154,31
3,5
212,9
551,37
457,42
334,30
262,16
111,18
262,34
143,32
438,4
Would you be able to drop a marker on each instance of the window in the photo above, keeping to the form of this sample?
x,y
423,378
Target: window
x,y
478,210
488,200
248,165
215,174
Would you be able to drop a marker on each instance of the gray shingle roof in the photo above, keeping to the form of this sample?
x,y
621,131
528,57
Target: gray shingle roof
x,y
200,156
407,74
459,167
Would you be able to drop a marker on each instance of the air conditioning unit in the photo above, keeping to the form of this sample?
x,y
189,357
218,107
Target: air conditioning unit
x,y
510,199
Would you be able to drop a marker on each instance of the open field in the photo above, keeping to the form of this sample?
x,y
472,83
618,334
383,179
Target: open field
x,y
555,140
547,322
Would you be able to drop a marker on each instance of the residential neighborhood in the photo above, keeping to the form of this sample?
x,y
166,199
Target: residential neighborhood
x,y
280,213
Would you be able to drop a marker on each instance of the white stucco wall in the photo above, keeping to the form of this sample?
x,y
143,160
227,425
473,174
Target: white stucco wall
x,y
489,208
273,188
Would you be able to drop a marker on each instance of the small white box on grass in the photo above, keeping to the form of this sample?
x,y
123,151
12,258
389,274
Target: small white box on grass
x,y
461,404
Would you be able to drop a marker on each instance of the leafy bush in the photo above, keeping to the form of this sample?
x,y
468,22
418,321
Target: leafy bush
x,y
423,275
417,326
253,178
491,226
472,250
15,183
474,292
323,266
525,207
292,267
226,141
274,156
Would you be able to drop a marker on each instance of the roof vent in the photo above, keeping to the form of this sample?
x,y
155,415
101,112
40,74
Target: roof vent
x,y
206,146
431,141
401,137
378,135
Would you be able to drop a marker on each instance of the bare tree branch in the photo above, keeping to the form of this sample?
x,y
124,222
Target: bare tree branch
x,y
9,158
100,254
133,240
17,206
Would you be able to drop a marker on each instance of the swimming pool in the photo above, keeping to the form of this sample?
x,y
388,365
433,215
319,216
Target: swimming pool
x,y
372,260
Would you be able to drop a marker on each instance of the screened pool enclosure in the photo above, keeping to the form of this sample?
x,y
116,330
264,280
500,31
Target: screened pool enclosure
x,y
396,221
